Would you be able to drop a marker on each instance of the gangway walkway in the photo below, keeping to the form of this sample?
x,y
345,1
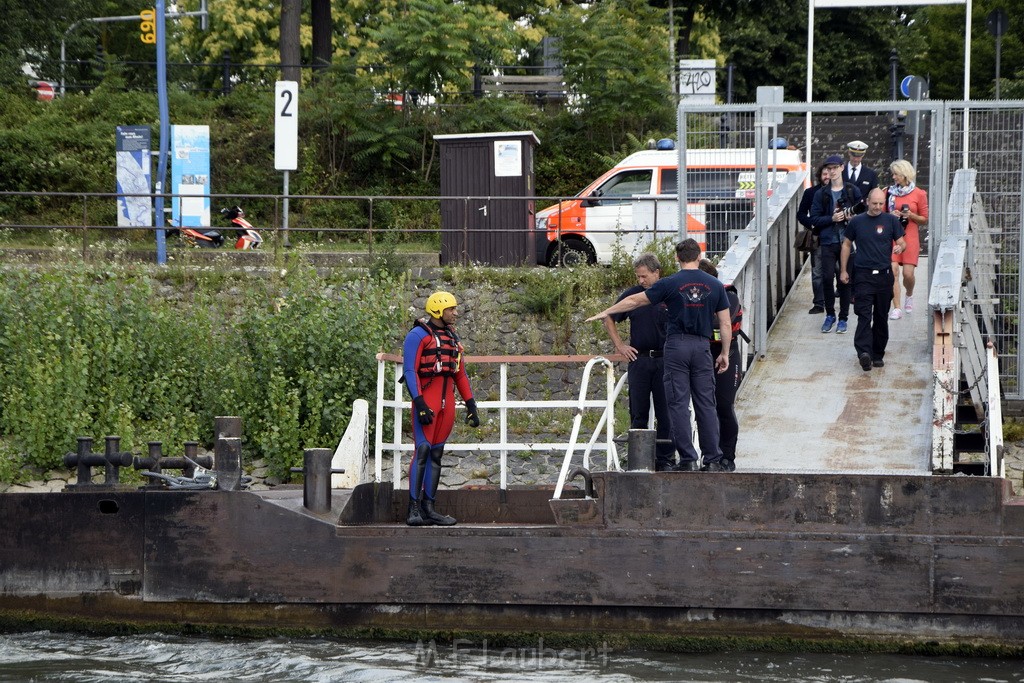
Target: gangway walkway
x,y
809,407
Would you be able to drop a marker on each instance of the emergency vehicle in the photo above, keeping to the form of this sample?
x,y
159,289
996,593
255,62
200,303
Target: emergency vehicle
x,y
636,201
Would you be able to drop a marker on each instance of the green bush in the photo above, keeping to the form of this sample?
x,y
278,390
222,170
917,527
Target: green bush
x,y
98,351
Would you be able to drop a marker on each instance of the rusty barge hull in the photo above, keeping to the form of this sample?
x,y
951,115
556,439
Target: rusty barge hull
x,y
918,558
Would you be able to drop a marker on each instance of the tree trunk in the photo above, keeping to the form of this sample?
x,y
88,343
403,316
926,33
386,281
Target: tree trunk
x,y
323,29
291,56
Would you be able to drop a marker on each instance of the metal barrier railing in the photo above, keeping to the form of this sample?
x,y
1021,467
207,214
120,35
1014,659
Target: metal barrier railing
x,y
606,422
961,301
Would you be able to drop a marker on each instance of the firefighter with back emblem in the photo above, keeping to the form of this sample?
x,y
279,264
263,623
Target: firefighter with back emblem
x,y
432,369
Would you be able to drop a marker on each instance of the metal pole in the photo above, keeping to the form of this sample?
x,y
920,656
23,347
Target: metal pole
x,y
999,50
810,78
967,83
284,221
165,130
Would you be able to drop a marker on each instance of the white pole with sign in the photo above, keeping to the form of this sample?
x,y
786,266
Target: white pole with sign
x,y
286,138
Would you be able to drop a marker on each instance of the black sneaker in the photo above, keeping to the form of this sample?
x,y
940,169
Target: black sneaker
x,y
816,310
717,466
729,464
687,466
878,363
865,361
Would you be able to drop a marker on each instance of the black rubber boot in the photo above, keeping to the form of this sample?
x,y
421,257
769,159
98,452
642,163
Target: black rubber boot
x,y
428,511
415,517
416,473
436,517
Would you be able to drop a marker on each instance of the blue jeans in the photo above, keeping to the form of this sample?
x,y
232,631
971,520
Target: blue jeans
x,y
816,290
829,278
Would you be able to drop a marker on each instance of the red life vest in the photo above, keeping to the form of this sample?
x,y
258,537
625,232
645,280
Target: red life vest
x,y
442,354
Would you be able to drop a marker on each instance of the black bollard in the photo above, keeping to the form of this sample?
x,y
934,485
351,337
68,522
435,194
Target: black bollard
x,y
316,487
642,444
115,460
80,460
228,459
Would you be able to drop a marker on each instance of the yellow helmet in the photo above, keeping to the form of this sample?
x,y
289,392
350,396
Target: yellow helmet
x,y
438,302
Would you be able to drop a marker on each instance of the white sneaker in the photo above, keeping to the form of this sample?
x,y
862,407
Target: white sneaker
x,y
908,305
896,314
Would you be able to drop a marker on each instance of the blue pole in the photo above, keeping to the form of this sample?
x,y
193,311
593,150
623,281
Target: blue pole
x,y
165,127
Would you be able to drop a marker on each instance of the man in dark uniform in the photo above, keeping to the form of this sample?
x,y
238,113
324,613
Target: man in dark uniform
x,y
855,172
646,364
874,233
694,299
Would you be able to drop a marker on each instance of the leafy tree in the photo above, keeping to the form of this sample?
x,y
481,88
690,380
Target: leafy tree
x,y
433,44
31,34
941,58
614,63
767,44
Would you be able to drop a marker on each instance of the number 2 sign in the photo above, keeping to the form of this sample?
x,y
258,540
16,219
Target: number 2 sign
x,y
286,125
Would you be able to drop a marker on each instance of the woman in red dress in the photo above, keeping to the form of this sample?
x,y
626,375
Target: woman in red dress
x,y
909,203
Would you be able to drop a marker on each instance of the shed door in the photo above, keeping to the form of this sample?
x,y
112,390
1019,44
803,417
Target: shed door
x,y
467,172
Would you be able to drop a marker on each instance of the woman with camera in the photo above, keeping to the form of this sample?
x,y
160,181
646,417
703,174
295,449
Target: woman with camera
x,y
909,203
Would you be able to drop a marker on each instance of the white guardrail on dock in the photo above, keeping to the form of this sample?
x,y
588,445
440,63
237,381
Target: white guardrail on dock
x,y
961,299
399,406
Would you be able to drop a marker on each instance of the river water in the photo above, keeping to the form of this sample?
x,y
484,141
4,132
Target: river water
x,y
46,656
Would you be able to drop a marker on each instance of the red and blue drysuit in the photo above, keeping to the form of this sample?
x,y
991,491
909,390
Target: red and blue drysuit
x,y
432,368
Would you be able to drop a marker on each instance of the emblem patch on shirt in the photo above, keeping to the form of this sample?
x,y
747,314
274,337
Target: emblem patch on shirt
x,y
695,293
879,229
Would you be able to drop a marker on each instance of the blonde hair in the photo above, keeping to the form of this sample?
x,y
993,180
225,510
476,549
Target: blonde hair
x,y
904,168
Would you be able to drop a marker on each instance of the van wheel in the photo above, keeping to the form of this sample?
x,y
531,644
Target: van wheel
x,y
571,253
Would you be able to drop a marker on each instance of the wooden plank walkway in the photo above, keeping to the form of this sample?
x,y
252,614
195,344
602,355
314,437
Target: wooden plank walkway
x,y
809,407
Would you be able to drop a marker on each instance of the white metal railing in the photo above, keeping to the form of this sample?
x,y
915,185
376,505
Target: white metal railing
x,y
961,301
741,264
606,422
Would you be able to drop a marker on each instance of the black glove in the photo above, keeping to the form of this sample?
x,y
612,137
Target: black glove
x,y
472,418
424,415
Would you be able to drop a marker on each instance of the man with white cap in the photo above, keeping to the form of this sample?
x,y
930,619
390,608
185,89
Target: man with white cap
x,y
855,172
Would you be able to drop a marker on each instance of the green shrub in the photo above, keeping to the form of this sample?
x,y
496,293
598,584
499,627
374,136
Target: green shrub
x,y
99,351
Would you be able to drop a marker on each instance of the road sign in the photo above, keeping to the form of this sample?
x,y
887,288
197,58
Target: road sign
x,y
997,22
286,125
905,85
44,91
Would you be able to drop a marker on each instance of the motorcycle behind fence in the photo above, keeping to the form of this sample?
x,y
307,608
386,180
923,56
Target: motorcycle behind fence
x,y
246,236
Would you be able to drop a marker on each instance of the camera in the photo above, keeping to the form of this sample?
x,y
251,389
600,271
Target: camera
x,y
850,211
904,221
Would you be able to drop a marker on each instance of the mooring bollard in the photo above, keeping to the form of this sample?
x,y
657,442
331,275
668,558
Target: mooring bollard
x,y
642,443
83,459
228,458
316,487
316,472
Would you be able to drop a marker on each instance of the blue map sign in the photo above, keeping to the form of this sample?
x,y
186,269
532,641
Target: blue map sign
x,y
134,176
190,176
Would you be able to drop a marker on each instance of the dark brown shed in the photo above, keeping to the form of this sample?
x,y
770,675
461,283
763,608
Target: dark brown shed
x,y
487,215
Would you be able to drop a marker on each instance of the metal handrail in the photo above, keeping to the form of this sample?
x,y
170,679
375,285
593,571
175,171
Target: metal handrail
x,y
398,405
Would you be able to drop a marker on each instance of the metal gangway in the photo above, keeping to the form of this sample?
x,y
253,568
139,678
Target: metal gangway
x,y
806,405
